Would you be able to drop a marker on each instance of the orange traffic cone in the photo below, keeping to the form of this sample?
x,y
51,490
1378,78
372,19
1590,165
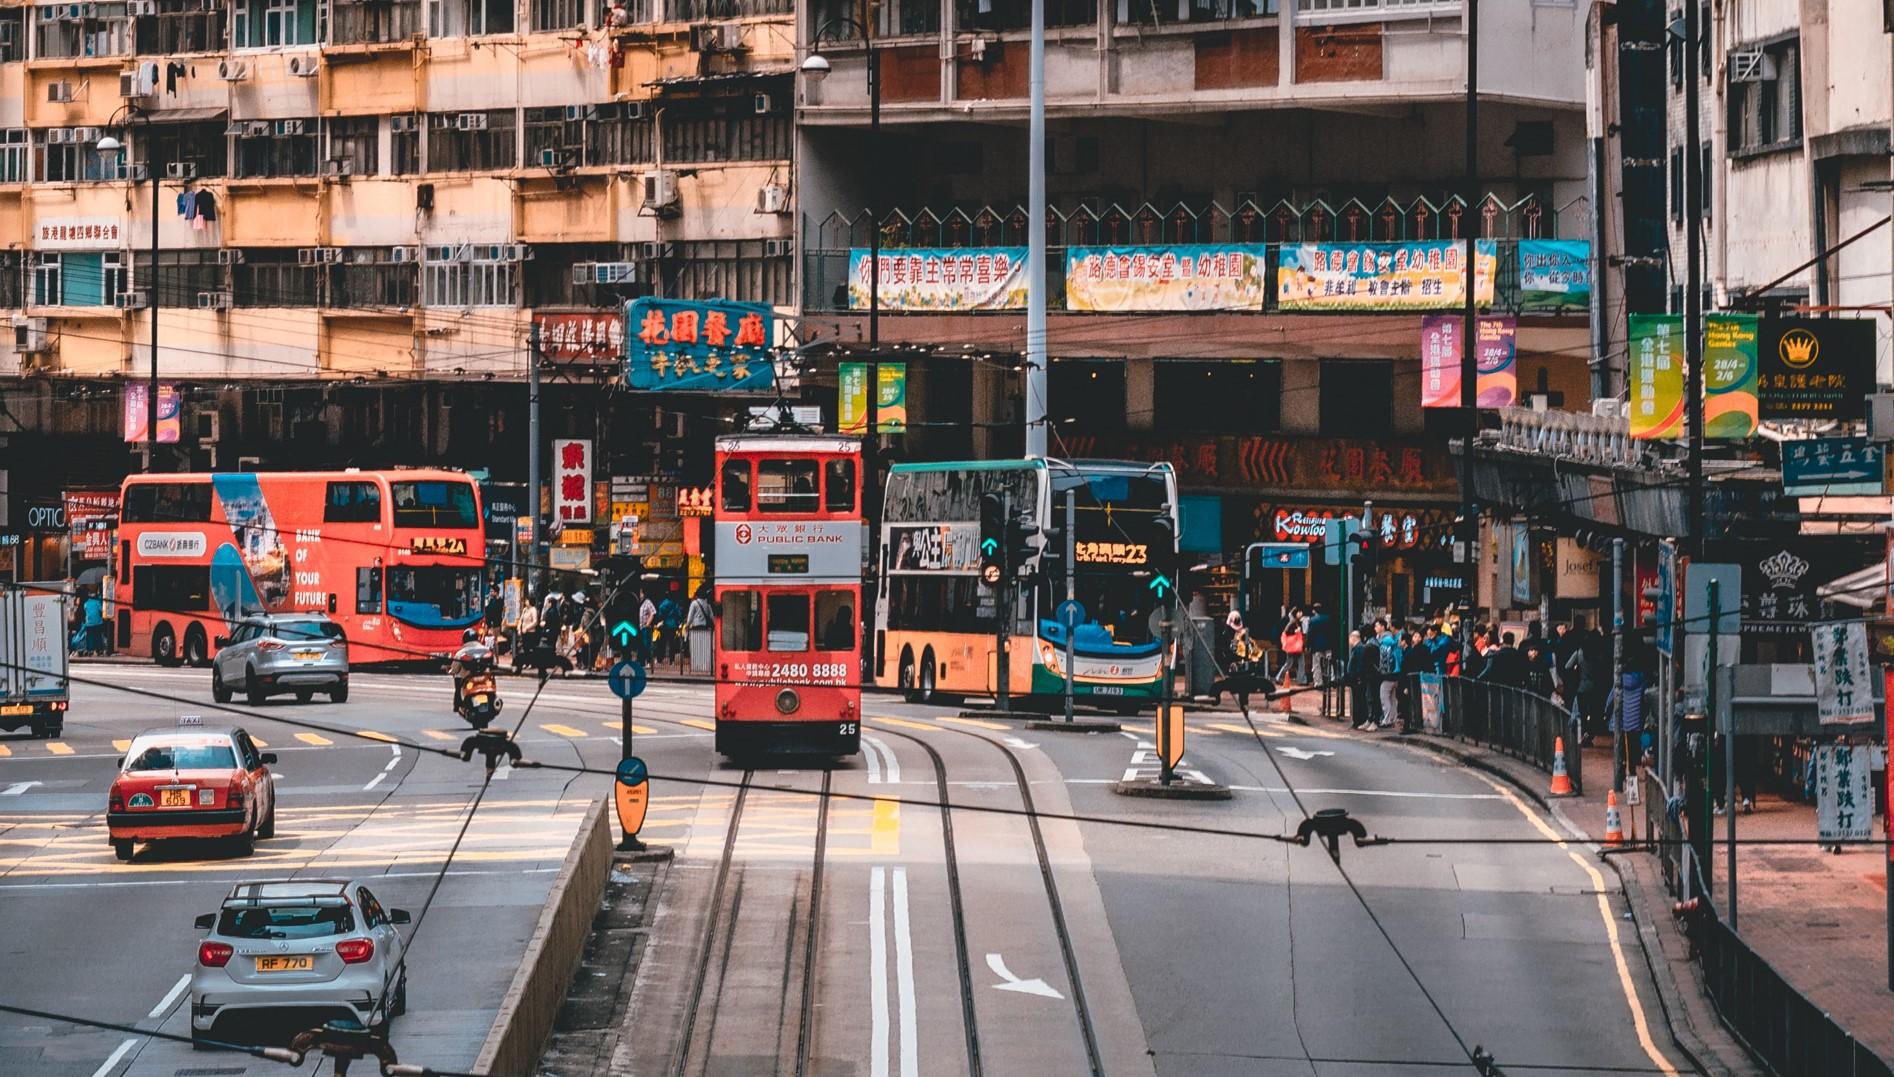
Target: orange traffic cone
x,y
1561,781
1614,827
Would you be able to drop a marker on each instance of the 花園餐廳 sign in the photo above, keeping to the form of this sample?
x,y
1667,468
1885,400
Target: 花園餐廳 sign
x,y
708,345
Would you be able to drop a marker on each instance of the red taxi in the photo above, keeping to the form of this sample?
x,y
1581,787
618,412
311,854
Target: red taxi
x,y
192,782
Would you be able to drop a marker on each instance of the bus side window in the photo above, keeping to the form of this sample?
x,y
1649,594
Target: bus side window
x,y
788,622
835,621
839,493
736,486
368,590
742,621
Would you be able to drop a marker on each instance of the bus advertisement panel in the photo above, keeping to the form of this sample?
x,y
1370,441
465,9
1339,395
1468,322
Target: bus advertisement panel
x,y
394,557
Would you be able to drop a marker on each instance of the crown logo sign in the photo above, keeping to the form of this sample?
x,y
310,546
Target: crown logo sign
x,y
1799,347
1784,570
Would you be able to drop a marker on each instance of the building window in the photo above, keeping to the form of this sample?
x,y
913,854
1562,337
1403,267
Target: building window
x,y
12,283
404,144
1357,397
470,141
201,145
552,284
354,140
1221,396
370,277
181,26
467,18
181,276
273,148
1674,51
695,10
262,24
613,133
470,284
71,154
12,35
892,17
1090,392
277,277
1765,97
619,134
369,22
551,15
66,279
547,132
1704,186
727,269
999,15
724,129
103,31
14,142
1168,12
1676,185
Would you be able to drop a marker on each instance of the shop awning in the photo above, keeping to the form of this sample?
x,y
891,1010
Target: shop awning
x,y
1863,590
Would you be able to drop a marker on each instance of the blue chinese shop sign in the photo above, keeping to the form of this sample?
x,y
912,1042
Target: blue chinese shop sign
x,y
1820,467
709,345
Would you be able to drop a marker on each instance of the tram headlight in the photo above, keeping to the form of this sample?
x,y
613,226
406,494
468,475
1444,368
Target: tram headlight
x,y
787,701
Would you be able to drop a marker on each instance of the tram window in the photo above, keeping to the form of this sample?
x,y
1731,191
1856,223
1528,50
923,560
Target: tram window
x,y
742,621
788,622
835,615
736,486
786,486
841,486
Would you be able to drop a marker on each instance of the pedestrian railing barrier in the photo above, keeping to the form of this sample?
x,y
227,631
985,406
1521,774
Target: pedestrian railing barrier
x,y
1511,720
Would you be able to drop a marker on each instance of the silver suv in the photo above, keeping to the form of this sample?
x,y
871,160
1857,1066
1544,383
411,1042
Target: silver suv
x,y
324,946
283,654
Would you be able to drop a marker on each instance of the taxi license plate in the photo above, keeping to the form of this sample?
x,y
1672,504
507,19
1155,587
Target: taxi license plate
x,y
174,798
17,708
285,964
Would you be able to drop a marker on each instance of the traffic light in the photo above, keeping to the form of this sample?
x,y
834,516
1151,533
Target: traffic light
x,y
620,612
1163,557
1052,549
1363,544
1022,542
992,538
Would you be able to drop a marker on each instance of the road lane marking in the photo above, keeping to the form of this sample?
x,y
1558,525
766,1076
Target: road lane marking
x,y
316,739
438,735
17,788
170,996
5,751
1364,792
882,765
637,730
563,730
1303,754
1224,728
111,1061
974,722
58,747
904,977
699,723
905,724
877,974
254,739
372,735
126,746
375,781
1034,986
1015,742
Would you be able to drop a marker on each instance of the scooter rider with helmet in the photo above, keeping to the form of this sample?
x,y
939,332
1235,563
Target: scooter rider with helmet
x,y
473,657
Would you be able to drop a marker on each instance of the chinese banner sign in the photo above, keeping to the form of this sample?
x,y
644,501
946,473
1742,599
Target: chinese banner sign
x,y
138,411
572,481
1440,360
92,515
596,337
1495,351
1844,690
705,345
942,278
1815,368
1192,277
1730,406
1381,276
1657,376
1554,275
1844,799
891,414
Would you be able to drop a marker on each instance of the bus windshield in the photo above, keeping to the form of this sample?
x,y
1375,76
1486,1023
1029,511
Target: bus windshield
x,y
434,503
1115,513
435,596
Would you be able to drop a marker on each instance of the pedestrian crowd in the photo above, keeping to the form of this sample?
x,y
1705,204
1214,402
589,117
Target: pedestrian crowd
x,y
564,632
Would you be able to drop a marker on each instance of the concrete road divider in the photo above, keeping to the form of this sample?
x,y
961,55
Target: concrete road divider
x,y
532,1001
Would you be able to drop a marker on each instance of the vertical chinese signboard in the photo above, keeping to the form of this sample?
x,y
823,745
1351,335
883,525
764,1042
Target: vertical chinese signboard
x,y
1729,376
705,345
1657,376
891,415
572,481
1440,360
1844,801
1844,694
1495,348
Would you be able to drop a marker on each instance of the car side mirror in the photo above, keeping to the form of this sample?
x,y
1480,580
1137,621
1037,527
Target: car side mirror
x,y
398,916
269,758
221,641
206,921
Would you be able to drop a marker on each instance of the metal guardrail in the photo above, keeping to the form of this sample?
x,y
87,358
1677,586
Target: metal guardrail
x,y
1510,720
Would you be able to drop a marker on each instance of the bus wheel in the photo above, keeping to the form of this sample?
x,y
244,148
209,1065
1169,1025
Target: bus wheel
x,y
906,678
164,646
196,649
926,692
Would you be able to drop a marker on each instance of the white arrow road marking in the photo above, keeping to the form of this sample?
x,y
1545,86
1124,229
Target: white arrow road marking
x,y
17,788
1015,742
1014,983
1297,753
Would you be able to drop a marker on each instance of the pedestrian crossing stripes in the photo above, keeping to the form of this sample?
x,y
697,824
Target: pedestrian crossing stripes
x,y
563,730
316,739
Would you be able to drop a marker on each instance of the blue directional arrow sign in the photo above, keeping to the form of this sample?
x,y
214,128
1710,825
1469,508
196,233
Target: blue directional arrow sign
x,y
1070,613
626,680
623,633
1833,467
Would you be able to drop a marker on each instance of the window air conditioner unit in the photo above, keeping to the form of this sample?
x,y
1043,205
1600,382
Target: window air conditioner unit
x,y
440,254
213,301
58,136
726,37
581,112
652,252
776,248
86,135
634,110
303,67
232,70
86,11
659,192
518,252
138,8
398,124
229,256
484,252
471,121
29,335
132,84
308,256
554,159
765,104
404,255
180,170
772,198
613,273
59,93
1752,65
287,128
257,128
132,300
338,168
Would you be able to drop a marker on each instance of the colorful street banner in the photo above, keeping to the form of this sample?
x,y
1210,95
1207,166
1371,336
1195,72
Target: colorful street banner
x,y
1188,277
707,345
1495,352
1656,376
138,412
942,278
1730,406
891,414
1815,368
1440,360
1381,276
1554,276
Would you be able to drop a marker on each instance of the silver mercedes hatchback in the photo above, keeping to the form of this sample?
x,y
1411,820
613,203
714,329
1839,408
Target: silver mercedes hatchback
x,y
323,946
296,654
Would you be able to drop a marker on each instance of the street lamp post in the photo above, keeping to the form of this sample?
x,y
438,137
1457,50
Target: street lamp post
x,y
109,145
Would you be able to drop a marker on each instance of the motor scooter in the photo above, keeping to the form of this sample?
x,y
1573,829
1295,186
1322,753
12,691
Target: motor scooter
x,y
478,696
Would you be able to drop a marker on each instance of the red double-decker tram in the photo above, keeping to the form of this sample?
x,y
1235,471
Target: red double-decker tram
x,y
788,572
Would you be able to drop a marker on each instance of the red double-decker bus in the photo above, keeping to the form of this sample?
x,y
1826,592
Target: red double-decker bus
x,y
788,565
394,557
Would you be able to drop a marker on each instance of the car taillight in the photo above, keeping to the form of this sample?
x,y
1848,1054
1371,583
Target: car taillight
x,y
117,801
235,799
355,951
213,955
269,645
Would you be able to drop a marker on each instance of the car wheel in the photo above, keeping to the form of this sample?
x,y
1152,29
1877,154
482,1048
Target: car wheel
x,y
164,646
253,689
267,828
196,648
905,677
219,691
122,848
399,1005
926,693
339,694
245,842
305,695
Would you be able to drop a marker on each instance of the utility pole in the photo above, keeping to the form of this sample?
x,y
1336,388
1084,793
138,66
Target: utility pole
x,y
1693,272
151,390
1469,319
1036,409
532,462
1617,664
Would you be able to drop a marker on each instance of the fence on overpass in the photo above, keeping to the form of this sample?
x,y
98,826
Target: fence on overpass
x,y
1510,720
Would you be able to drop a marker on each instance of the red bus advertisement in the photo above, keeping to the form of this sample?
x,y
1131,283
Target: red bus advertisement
x,y
394,557
788,564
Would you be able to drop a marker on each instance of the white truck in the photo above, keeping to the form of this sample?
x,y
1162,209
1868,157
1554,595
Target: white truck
x,y
34,653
